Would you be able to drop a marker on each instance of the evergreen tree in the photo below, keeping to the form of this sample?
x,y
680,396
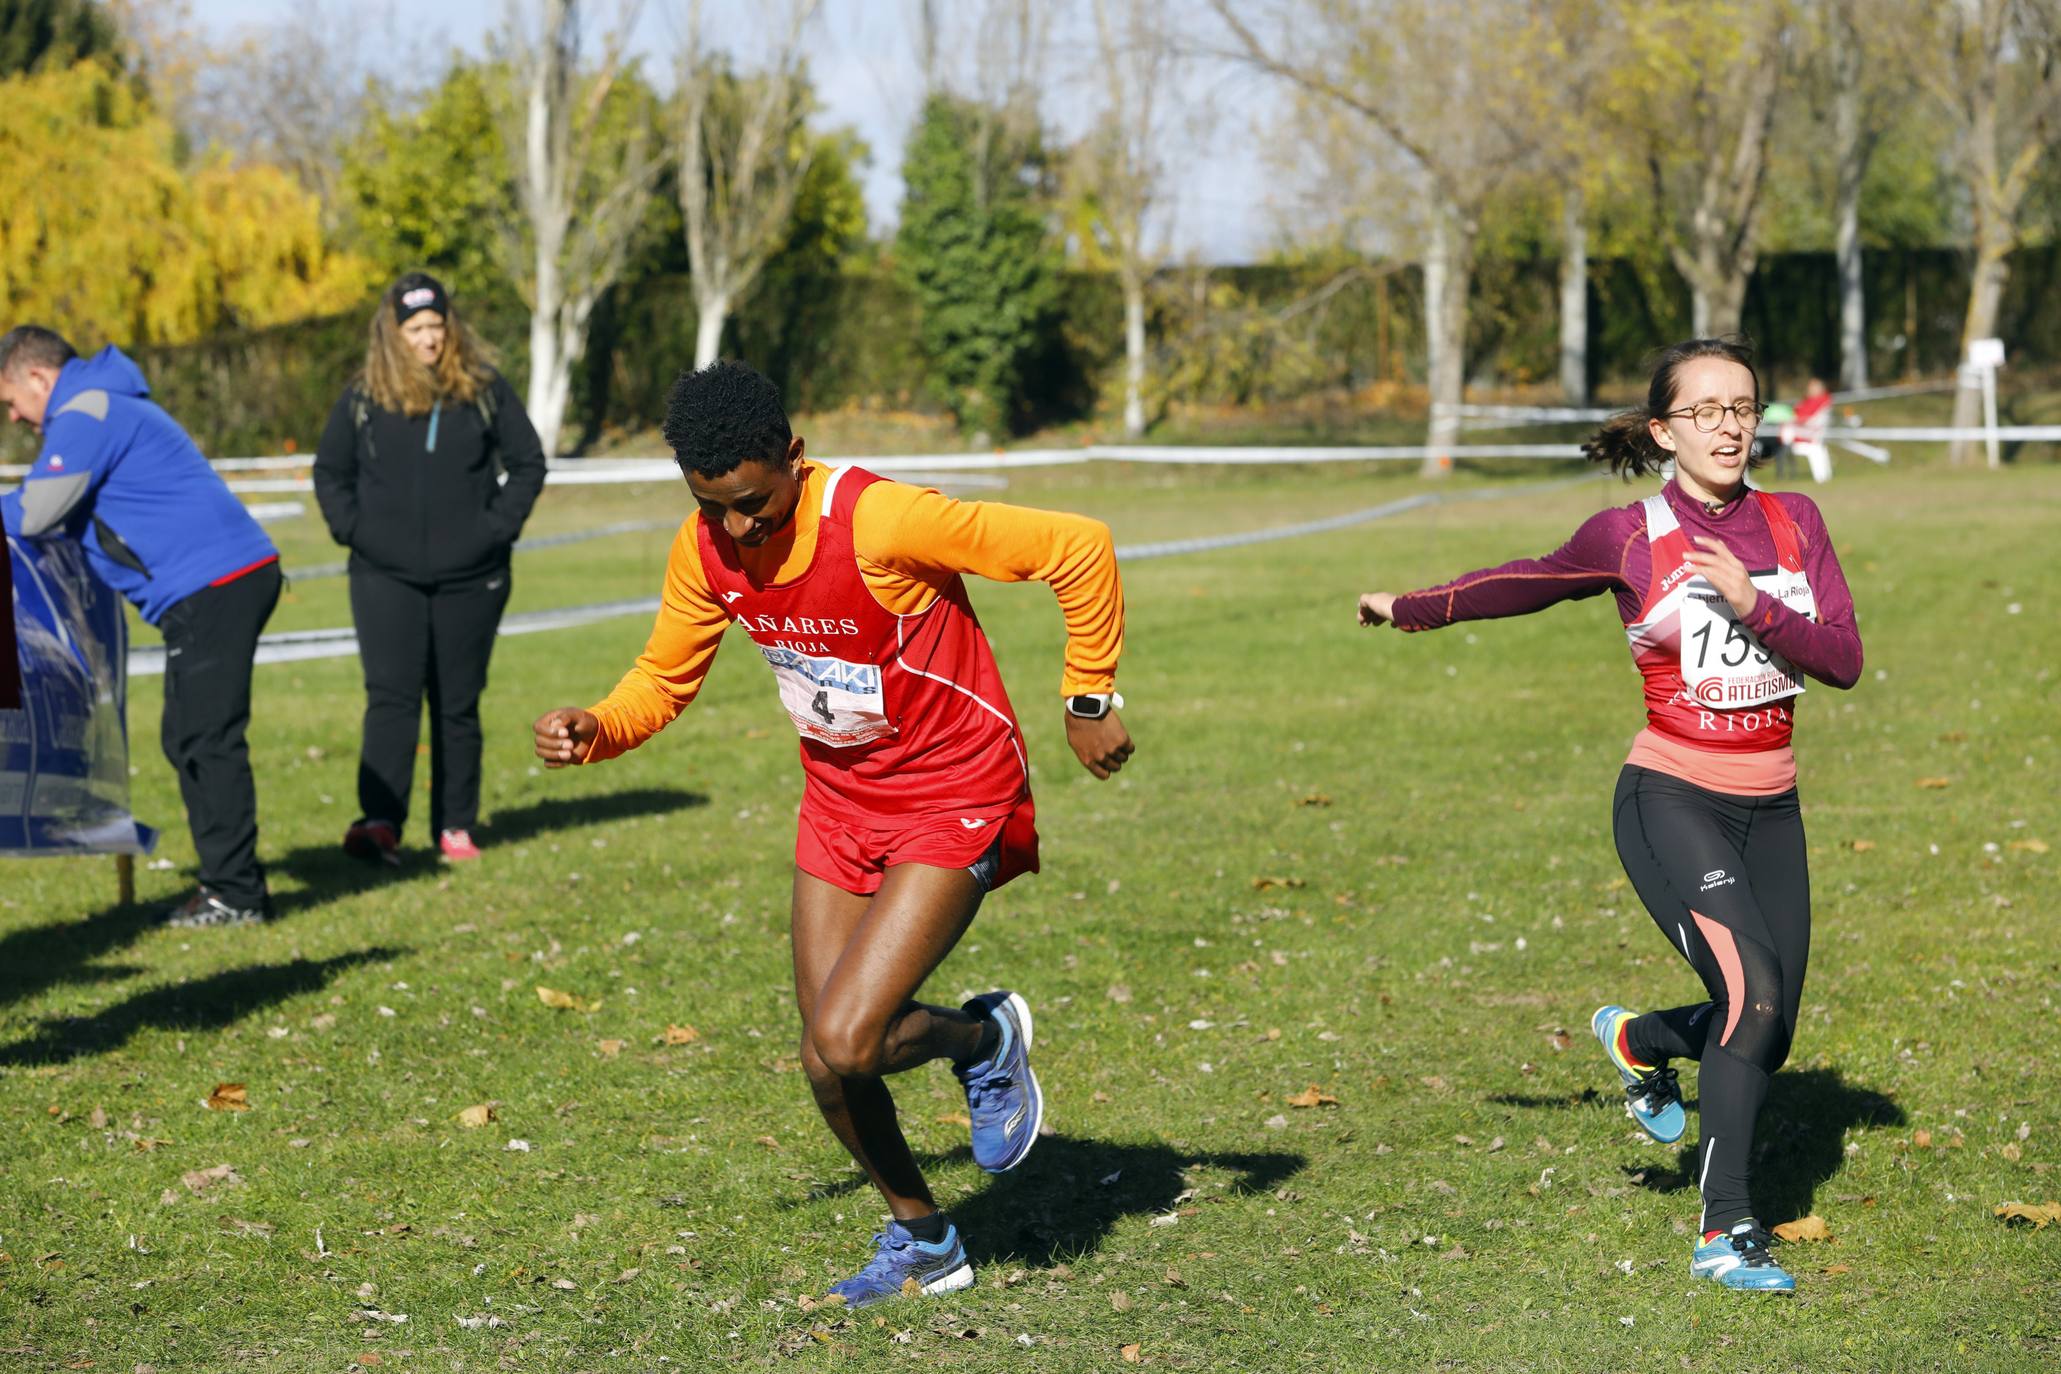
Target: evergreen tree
x,y
39,35
973,248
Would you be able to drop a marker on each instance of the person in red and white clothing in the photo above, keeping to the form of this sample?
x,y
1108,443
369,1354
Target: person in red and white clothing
x,y
916,801
1730,598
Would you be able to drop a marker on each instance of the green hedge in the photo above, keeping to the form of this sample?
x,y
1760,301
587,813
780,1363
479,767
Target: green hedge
x,y
850,338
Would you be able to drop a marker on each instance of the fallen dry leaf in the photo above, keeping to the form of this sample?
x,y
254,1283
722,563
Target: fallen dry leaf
x,y
478,1115
229,1097
148,1143
1120,1300
954,1119
1837,1269
2039,1214
2024,847
565,1001
200,1180
809,1304
611,1048
1312,1096
1131,1353
1315,799
1560,1040
1812,1227
912,1287
1119,993
1262,884
1860,846
1922,1139
1934,783
680,1035
247,1228
768,1141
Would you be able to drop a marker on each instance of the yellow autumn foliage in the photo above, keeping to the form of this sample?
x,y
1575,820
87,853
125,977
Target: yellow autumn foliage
x,y
106,238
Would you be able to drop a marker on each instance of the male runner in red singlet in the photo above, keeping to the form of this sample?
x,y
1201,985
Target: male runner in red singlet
x,y
916,800
1730,598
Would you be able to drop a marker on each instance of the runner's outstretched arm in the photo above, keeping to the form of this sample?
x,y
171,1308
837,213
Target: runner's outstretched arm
x,y
1587,564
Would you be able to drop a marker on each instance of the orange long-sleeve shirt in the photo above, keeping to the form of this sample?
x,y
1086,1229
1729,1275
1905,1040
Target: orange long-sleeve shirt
x,y
910,542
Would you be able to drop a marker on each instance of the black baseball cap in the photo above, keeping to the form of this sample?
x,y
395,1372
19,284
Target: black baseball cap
x,y
416,292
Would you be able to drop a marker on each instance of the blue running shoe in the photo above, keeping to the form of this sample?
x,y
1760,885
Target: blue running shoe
x,y
1652,1096
1002,1097
1740,1258
903,1266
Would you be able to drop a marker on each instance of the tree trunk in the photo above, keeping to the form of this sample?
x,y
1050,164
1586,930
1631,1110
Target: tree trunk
x,y
1725,302
1985,296
1448,270
550,376
714,310
1574,299
1134,354
1850,148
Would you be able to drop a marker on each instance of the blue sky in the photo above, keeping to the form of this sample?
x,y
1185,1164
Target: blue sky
x,y
863,57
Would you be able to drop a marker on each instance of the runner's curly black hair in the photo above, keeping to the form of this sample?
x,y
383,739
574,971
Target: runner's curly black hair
x,y
723,415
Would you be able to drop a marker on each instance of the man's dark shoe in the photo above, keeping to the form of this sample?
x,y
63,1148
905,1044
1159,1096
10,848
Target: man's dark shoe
x,y
204,910
369,839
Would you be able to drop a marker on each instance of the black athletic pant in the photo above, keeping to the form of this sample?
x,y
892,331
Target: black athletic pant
x,y
1727,881
422,641
211,641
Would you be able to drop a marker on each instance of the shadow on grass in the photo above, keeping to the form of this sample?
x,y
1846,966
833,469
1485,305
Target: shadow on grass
x,y
203,1005
42,957
326,872
1800,1142
1064,1200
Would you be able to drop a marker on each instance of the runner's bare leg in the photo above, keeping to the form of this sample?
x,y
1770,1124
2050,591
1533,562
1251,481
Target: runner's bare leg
x,y
858,961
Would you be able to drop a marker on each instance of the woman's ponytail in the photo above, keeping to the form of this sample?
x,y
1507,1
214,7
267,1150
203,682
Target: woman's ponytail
x,y
1625,445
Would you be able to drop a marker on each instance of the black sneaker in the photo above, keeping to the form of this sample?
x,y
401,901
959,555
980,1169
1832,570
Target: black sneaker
x,y
204,910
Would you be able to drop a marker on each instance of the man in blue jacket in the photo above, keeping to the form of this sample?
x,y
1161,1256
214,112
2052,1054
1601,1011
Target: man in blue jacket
x,y
118,474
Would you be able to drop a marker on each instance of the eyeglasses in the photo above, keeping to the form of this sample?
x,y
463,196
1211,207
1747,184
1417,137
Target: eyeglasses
x,y
1710,415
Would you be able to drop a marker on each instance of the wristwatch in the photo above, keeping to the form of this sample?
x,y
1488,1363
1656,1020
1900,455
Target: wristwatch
x,y
1093,705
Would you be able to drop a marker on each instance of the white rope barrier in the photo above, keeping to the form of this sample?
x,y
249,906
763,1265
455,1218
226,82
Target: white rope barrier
x,y
297,646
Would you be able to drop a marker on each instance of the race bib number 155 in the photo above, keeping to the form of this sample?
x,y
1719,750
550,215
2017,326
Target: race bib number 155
x,y
1723,665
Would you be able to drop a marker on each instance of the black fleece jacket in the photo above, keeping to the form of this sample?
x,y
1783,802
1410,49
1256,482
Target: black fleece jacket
x,y
417,496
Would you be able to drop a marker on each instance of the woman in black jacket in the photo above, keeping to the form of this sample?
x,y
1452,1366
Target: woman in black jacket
x,y
407,479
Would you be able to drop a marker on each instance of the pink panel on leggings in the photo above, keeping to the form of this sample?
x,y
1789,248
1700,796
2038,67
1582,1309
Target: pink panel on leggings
x,y
1720,941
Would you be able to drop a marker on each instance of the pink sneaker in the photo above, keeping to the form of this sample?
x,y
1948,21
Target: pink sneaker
x,y
457,846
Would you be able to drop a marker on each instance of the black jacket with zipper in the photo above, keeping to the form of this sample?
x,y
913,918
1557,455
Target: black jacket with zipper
x,y
418,497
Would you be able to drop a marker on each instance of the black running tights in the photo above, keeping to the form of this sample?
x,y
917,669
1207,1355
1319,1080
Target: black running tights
x,y
1726,880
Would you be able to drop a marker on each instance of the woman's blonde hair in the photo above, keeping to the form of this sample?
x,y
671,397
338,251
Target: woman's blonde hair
x,y
395,378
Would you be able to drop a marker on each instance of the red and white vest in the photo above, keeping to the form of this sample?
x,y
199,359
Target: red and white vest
x,y
899,716
1710,683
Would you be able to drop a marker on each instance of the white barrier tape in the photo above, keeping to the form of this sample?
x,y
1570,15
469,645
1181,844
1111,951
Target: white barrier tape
x,y
1945,433
1868,451
300,645
315,572
1545,415
1142,453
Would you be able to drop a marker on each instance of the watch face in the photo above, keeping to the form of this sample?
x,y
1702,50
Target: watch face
x,y
1089,708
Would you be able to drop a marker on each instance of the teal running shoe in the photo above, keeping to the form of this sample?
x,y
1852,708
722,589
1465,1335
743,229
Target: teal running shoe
x,y
903,1266
1741,1259
1003,1100
1653,1098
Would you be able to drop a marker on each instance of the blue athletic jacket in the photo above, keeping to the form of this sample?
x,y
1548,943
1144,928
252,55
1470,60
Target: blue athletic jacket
x,y
120,476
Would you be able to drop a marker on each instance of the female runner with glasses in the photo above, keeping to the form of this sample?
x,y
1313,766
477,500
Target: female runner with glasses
x,y
1730,597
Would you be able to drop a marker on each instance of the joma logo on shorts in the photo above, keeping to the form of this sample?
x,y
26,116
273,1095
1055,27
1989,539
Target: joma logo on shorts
x,y
1717,877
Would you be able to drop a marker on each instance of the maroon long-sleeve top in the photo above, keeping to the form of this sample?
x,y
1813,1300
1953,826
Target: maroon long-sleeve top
x,y
1610,552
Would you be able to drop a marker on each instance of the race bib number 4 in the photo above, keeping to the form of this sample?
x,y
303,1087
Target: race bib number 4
x,y
830,701
1723,665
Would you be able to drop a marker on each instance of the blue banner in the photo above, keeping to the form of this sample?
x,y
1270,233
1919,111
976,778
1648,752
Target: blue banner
x,y
64,756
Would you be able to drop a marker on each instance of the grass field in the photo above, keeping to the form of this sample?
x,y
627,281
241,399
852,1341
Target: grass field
x,y
1375,864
